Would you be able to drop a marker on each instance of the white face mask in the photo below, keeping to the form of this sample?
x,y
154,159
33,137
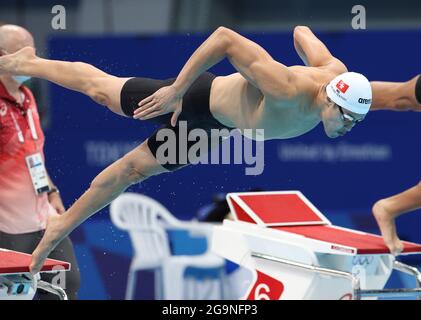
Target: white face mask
x,y
21,79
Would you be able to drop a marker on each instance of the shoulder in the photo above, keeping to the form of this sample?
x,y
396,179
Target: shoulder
x,y
272,78
334,65
285,85
301,79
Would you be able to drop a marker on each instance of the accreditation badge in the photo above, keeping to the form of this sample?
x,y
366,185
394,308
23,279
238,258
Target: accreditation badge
x,y
38,173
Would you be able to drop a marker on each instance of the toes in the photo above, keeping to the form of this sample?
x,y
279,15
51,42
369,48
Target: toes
x,y
399,248
395,248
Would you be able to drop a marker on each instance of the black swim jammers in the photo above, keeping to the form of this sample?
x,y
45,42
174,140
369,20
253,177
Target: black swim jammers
x,y
195,110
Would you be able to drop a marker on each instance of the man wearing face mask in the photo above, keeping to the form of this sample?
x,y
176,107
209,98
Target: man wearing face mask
x,y
27,194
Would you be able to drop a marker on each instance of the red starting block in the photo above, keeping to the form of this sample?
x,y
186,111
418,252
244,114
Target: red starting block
x,y
17,283
294,251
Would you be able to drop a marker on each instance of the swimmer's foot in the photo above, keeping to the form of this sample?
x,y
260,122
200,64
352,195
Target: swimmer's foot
x,y
386,222
15,63
54,233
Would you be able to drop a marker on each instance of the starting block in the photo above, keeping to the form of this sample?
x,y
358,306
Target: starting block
x,y
17,283
294,252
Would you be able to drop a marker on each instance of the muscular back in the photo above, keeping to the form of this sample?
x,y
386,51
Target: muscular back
x,y
264,94
238,103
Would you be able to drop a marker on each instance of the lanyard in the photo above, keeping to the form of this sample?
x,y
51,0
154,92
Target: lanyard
x,y
31,124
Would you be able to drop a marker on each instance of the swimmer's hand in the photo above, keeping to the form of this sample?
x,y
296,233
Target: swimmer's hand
x,y
165,100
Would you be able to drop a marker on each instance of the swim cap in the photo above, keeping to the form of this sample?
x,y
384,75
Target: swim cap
x,y
351,91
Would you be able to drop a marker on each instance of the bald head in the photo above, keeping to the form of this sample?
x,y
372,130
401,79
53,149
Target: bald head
x,y
14,38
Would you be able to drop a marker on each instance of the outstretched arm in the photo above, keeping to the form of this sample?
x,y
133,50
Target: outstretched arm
x,y
248,58
397,96
313,52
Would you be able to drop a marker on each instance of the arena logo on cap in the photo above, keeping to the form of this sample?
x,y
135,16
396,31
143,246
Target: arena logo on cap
x,y
342,86
364,101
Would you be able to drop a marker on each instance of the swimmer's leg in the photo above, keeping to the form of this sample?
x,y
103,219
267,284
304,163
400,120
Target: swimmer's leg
x,y
134,167
103,88
397,96
387,210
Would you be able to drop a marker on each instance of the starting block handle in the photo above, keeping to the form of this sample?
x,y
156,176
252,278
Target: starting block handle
x,y
358,293
46,286
331,272
395,293
391,293
402,267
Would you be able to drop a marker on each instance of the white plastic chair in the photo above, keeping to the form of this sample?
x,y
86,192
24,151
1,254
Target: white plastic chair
x,y
146,221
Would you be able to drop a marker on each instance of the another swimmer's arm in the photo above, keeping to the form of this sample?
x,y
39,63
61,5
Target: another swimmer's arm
x,y
312,51
397,96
